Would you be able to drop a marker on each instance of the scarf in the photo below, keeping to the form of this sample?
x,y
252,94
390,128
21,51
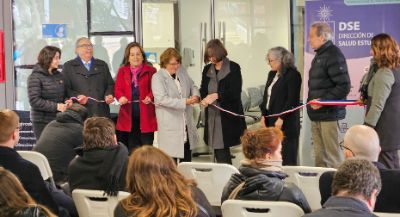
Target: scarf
x,y
263,164
135,72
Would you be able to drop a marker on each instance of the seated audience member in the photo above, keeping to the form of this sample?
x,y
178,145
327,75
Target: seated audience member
x,y
102,165
158,189
27,172
261,175
363,142
60,137
15,201
355,187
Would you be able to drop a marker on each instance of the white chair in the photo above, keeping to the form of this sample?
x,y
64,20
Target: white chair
x,y
93,203
210,177
383,214
248,208
307,179
40,161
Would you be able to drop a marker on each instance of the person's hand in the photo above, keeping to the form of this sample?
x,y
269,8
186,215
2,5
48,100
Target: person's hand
x,y
61,107
68,102
204,103
279,123
262,121
82,99
196,99
210,98
109,99
146,100
314,106
123,100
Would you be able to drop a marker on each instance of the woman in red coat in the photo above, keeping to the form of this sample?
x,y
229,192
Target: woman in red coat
x,y
136,119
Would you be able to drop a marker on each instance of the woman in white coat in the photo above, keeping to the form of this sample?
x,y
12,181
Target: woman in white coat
x,y
174,93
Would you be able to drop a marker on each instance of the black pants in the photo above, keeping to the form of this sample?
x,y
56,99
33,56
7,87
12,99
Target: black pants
x,y
38,128
223,155
135,138
290,147
390,159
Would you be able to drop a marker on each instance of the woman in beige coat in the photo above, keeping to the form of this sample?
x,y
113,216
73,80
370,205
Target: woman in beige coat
x,y
174,94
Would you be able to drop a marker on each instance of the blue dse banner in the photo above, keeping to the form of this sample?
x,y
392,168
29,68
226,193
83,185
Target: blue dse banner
x,y
54,30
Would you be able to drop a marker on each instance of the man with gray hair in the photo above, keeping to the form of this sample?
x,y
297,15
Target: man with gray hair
x,y
355,187
328,80
86,76
362,141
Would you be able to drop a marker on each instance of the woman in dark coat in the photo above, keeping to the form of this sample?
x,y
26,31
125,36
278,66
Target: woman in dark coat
x,y
46,90
261,175
137,118
282,92
221,85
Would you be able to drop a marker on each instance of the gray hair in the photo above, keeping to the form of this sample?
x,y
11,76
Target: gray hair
x,y
79,40
282,55
356,177
323,29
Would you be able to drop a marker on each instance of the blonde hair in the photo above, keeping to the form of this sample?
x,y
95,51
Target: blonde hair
x,y
13,197
157,188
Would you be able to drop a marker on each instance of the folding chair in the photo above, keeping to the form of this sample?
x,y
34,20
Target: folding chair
x,y
248,208
40,161
210,177
93,203
307,179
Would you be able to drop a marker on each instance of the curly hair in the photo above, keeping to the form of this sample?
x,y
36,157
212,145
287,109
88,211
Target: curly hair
x,y
256,144
385,50
157,188
13,197
168,54
357,177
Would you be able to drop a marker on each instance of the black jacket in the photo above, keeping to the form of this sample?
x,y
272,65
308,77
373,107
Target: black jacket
x,y
264,185
44,92
343,206
229,98
198,196
285,95
94,168
328,80
30,177
96,83
59,139
387,200
34,211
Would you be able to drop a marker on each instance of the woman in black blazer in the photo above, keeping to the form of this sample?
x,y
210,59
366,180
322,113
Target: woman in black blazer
x,y
282,92
221,85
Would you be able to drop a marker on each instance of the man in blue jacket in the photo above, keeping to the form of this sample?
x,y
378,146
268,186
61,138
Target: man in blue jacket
x,y
328,80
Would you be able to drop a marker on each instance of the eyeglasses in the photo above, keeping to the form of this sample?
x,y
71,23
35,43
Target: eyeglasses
x,y
87,46
174,64
341,145
270,61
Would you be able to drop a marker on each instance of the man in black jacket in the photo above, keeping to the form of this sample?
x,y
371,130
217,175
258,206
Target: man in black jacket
x,y
27,172
328,80
86,76
355,187
60,138
363,142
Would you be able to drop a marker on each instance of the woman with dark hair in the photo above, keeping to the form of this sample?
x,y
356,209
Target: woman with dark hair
x,y
137,118
282,92
175,93
46,90
15,201
261,175
221,84
159,190
383,102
